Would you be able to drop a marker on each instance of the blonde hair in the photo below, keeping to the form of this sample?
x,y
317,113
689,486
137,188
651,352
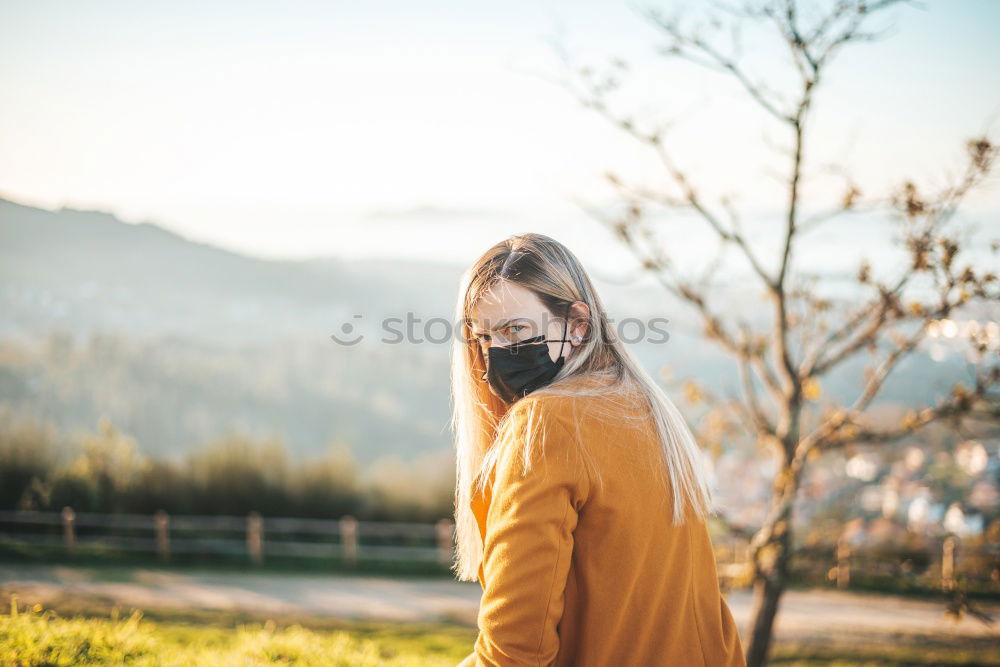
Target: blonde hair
x,y
554,274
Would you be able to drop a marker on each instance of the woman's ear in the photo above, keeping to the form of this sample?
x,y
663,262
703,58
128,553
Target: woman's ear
x,y
579,322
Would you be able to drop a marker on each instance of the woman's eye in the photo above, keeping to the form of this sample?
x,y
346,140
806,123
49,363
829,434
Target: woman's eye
x,y
513,332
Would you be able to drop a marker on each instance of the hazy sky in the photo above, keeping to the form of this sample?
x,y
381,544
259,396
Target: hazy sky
x,y
431,129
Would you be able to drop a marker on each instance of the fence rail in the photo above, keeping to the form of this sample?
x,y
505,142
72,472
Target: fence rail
x,y
351,541
253,535
942,564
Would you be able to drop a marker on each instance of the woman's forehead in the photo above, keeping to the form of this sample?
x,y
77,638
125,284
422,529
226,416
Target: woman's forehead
x,y
506,301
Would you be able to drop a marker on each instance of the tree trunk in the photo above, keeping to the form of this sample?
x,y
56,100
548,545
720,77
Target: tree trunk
x,y
771,566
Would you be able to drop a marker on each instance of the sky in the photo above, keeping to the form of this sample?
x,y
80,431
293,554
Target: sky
x,y
433,129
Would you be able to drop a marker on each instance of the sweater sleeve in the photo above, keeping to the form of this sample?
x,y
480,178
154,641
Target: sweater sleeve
x,y
529,542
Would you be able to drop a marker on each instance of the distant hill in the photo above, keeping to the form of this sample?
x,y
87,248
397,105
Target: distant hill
x,y
92,271
179,342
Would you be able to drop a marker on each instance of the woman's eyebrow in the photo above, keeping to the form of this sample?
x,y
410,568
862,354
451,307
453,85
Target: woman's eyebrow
x,y
502,324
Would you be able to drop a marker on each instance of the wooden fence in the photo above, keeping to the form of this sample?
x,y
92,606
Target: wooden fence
x,y
350,541
257,537
942,564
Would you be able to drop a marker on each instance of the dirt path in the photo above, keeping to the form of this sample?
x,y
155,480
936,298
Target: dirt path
x,y
804,614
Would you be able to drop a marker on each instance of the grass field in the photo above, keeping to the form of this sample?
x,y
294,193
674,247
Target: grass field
x,y
76,635
37,636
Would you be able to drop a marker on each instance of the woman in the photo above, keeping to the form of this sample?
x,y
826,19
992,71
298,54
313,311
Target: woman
x,y
581,496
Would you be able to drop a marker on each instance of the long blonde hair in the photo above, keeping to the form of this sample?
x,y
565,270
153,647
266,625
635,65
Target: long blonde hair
x,y
554,274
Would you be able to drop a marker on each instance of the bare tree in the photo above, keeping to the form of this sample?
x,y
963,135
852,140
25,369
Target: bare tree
x,y
808,336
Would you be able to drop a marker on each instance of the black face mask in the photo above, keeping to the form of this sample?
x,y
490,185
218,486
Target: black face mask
x,y
521,368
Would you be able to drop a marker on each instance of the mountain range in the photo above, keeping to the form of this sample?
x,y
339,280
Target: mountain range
x,y
178,342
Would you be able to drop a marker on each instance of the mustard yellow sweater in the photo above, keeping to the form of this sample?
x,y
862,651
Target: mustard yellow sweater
x,y
581,572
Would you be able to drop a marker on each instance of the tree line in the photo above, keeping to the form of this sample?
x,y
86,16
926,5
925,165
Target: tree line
x,y
44,469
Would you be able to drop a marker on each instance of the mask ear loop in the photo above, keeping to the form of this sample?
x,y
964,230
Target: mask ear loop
x,y
565,325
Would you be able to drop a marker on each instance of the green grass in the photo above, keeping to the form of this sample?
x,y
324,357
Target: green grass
x,y
903,651
91,631
36,636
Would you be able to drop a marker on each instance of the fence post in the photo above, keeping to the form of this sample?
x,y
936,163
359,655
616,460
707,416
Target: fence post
x,y
843,563
948,564
349,539
69,531
255,538
444,528
161,524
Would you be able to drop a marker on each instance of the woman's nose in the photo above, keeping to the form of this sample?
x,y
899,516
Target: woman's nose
x,y
499,341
